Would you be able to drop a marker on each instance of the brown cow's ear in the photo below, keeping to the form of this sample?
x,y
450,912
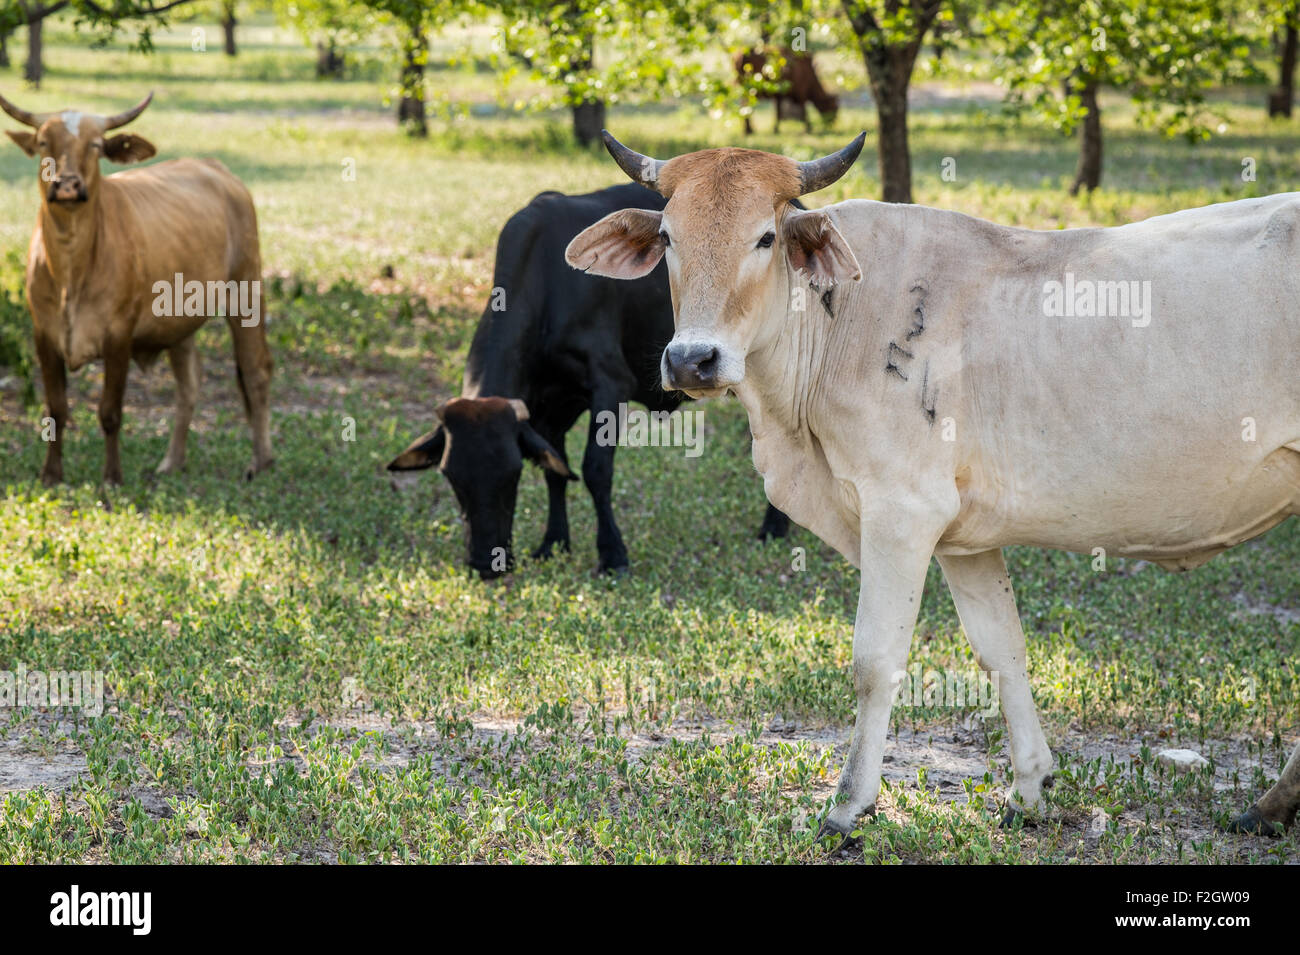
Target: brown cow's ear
x,y
623,245
424,452
128,148
535,448
818,250
26,141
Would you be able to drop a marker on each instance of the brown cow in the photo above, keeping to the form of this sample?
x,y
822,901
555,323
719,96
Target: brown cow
x,y
799,81
117,269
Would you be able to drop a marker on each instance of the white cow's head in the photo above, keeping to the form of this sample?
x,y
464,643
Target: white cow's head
x,y
734,246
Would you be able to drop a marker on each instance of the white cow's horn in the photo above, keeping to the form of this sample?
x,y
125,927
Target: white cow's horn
x,y
820,173
24,117
121,119
639,168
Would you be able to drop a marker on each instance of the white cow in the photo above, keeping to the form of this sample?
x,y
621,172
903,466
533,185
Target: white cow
x,y
949,387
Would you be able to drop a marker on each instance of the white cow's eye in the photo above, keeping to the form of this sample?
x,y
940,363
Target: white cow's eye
x,y
664,235
767,240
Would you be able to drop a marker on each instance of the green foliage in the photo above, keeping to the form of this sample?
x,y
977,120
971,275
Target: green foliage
x,y
1164,57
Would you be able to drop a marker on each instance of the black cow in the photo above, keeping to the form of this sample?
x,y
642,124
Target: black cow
x,y
552,343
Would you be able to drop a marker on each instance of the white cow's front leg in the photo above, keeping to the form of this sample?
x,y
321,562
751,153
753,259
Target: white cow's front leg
x,y
981,589
895,555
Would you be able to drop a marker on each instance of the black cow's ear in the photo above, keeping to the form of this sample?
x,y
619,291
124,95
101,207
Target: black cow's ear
x,y
424,452
534,447
128,148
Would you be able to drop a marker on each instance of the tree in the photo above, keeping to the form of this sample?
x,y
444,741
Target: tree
x,y
228,24
1057,56
105,18
646,46
415,21
890,35
331,26
1285,24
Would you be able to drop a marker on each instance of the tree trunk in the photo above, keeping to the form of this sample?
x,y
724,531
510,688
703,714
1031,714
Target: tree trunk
x,y
588,121
329,62
410,111
228,24
589,115
34,68
4,49
889,67
1282,96
892,145
1088,173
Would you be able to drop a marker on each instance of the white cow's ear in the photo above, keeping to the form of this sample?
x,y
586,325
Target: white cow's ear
x,y
817,249
26,141
623,245
128,148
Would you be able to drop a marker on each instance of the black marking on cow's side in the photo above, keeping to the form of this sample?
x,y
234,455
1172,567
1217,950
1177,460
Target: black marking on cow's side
x,y
896,349
928,397
826,302
918,312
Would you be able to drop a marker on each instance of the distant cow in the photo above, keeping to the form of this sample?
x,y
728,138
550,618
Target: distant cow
x,y
970,386
551,344
800,87
129,267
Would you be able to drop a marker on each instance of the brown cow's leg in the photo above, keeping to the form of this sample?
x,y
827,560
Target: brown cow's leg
x,y
184,360
253,366
117,361
55,378
1277,806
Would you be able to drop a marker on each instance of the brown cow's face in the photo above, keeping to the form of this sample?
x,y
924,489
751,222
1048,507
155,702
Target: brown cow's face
x,y
69,146
735,249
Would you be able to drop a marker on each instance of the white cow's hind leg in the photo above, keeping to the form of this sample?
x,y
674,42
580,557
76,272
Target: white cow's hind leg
x,y
896,553
184,359
1276,808
981,589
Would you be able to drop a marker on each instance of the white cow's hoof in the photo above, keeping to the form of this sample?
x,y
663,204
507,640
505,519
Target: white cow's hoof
x,y
1252,822
842,821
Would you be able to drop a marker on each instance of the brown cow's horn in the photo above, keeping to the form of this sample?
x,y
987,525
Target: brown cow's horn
x,y
820,173
639,168
29,119
121,119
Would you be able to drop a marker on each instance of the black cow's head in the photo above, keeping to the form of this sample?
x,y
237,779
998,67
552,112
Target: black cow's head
x,y
480,445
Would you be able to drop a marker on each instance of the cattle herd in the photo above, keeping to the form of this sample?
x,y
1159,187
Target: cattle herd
x,y
910,393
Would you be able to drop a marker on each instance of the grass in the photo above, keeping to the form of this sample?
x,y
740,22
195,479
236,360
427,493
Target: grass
x,y
299,669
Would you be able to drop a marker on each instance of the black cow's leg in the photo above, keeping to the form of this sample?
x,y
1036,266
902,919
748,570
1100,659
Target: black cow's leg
x,y
775,524
557,486
557,514
598,474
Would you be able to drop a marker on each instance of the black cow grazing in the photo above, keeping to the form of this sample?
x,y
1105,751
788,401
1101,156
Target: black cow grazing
x,y
552,343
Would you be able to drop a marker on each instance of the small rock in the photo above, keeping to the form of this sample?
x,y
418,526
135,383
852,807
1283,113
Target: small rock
x,y
1182,760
